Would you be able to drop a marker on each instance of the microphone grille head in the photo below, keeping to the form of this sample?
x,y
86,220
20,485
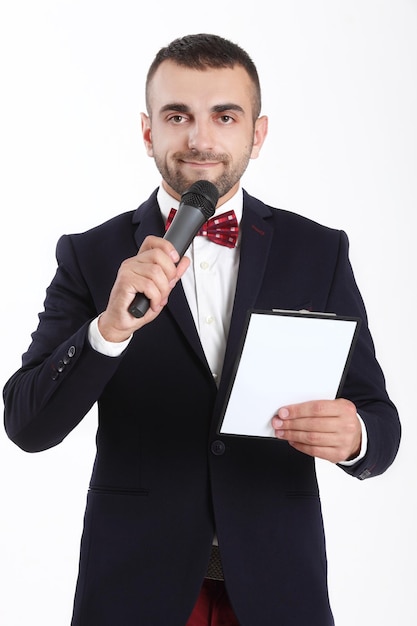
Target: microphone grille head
x,y
203,195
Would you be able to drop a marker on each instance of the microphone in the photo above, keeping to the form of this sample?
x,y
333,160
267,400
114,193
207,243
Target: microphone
x,y
197,205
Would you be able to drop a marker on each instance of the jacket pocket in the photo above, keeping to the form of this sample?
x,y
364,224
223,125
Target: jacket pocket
x,y
118,491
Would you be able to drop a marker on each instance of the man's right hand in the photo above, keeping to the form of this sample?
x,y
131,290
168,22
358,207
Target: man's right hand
x,y
153,272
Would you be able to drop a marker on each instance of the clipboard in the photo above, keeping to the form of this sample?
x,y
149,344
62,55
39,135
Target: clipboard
x,y
285,357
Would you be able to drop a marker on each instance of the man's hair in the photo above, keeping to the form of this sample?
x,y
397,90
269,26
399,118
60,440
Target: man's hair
x,y
203,51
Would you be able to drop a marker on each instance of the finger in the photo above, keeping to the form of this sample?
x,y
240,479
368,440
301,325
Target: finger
x,y
307,424
313,408
152,243
327,453
312,438
182,266
317,409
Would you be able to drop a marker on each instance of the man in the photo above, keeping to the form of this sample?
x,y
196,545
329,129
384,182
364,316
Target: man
x,y
168,495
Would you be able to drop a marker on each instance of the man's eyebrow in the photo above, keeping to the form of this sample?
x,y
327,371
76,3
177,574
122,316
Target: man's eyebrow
x,y
228,106
178,107
175,106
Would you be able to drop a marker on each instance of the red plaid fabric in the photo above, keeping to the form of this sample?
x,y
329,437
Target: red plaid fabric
x,y
223,229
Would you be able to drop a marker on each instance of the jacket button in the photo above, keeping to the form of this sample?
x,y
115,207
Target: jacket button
x,y
71,352
218,448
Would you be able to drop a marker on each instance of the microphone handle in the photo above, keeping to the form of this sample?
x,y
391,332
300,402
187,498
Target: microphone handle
x,y
185,225
139,305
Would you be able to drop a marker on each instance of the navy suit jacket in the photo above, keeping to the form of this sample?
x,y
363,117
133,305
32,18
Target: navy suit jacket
x,y
163,480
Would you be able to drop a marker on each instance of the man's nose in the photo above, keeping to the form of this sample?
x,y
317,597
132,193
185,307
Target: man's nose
x,y
201,136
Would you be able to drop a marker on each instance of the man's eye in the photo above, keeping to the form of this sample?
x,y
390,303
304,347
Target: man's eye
x,y
177,119
226,119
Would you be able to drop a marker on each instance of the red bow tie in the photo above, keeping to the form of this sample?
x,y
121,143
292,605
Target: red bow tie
x,y
223,229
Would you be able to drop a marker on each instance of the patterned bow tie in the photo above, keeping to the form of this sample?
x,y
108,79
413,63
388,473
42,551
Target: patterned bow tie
x,y
223,229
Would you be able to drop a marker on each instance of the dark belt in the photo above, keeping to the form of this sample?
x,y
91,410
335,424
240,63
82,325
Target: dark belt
x,y
215,569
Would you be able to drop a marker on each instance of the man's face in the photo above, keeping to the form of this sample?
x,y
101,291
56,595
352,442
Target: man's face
x,y
200,126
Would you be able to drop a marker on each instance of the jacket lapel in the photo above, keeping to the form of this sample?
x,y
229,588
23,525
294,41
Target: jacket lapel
x,y
256,237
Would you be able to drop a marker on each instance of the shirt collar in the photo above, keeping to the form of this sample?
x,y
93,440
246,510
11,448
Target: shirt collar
x,y
167,202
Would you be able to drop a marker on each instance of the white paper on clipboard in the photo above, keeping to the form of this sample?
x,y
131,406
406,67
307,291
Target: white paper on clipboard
x,y
286,357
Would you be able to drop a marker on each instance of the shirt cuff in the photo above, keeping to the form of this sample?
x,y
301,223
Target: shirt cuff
x,y
99,344
364,445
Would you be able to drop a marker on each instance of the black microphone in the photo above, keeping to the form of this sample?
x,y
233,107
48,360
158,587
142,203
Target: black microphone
x,y
197,205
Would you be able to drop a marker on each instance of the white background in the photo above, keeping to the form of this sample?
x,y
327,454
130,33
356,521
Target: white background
x,y
340,87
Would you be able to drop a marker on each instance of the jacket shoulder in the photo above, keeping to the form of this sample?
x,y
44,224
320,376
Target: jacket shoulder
x,y
291,221
118,224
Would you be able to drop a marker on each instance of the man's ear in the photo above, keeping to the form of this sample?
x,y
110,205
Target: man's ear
x,y
146,133
261,131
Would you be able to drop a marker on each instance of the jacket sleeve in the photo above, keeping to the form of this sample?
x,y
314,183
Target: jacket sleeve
x,y
365,383
61,375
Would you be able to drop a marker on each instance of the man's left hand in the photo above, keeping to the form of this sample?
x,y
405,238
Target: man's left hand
x,y
327,429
